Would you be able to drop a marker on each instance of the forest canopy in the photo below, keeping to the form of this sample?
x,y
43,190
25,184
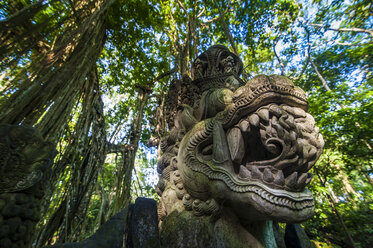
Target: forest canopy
x,y
92,76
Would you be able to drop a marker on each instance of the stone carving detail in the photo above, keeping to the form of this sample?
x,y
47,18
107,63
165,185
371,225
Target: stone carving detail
x,y
24,159
243,148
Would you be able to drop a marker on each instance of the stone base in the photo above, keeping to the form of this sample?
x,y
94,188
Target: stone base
x,y
185,230
134,227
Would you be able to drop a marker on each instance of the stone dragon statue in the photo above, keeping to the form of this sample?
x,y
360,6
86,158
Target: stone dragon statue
x,y
236,158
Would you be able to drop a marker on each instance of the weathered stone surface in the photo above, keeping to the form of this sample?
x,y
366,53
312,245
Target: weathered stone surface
x,y
238,147
5,243
296,237
144,224
279,235
24,162
134,227
186,230
192,226
24,157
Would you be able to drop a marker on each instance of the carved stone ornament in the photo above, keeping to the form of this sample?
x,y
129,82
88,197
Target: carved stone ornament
x,y
24,162
236,158
24,157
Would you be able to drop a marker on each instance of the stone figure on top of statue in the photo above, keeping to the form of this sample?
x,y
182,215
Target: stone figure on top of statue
x,y
236,158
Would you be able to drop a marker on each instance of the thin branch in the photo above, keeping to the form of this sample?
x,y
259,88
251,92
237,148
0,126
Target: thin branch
x,y
228,6
165,74
353,29
334,42
183,7
138,181
308,54
278,58
323,81
206,23
226,29
351,44
201,13
195,6
211,20
144,88
116,148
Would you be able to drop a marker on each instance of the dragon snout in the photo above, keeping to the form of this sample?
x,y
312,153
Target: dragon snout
x,y
276,145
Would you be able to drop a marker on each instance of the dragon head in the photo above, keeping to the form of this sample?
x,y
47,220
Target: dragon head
x,y
251,144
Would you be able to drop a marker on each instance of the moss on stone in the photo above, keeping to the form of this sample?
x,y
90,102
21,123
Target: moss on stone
x,y
183,229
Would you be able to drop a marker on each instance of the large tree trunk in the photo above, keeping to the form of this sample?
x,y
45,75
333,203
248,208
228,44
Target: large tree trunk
x,y
45,92
47,96
86,157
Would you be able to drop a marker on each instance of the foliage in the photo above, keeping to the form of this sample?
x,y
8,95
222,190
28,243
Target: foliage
x,y
325,46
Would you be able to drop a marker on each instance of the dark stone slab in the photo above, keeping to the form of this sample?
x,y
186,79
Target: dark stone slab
x,y
111,234
144,224
134,227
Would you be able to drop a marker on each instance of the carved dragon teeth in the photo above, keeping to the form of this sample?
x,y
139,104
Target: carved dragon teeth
x,y
275,110
279,178
244,126
283,201
254,120
275,178
266,119
268,175
256,173
244,173
263,114
236,144
291,180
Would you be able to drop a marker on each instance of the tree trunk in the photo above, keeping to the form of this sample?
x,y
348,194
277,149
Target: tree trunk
x,y
86,157
123,187
350,241
47,98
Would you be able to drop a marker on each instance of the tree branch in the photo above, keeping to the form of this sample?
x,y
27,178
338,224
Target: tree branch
x,y
116,148
165,74
183,7
351,44
278,58
353,29
226,29
308,54
323,81
201,13
211,20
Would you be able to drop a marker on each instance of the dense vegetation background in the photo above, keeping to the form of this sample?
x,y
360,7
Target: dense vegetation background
x,y
92,76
